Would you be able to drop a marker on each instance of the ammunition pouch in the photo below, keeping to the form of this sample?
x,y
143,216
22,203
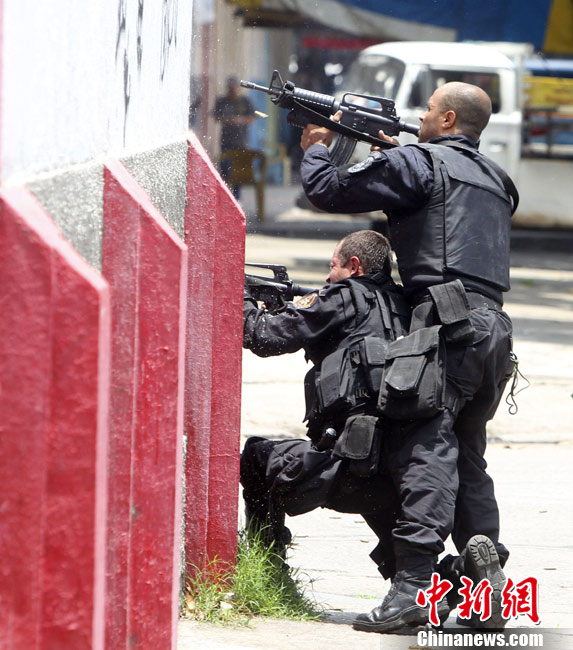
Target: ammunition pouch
x,y
414,379
453,309
360,443
373,356
334,382
413,383
449,305
346,377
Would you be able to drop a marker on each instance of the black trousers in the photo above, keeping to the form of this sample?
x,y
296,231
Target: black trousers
x,y
438,464
291,476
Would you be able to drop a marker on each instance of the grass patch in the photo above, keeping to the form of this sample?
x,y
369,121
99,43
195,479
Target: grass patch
x,y
260,584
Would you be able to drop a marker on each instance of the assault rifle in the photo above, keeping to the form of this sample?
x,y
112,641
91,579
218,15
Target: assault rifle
x,y
362,115
275,292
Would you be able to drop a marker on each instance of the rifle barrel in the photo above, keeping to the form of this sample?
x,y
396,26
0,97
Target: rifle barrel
x,y
410,128
253,86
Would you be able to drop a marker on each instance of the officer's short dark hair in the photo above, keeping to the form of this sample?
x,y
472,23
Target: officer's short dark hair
x,y
370,247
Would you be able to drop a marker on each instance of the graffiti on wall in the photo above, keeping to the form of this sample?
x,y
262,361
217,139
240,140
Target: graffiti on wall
x,y
139,32
121,54
116,72
168,32
130,29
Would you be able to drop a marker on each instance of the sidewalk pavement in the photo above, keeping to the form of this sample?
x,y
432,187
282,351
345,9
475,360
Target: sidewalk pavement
x,y
530,456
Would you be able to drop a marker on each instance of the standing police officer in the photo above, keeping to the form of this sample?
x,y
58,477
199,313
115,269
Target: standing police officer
x,y
449,211
344,330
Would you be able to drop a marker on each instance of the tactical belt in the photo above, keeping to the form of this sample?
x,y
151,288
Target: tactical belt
x,y
450,304
478,301
475,300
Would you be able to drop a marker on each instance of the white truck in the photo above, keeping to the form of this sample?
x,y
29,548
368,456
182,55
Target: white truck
x,y
534,144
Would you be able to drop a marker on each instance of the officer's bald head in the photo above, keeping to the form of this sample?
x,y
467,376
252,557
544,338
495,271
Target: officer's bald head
x,y
470,103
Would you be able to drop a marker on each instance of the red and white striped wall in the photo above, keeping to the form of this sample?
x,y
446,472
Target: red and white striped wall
x,y
121,273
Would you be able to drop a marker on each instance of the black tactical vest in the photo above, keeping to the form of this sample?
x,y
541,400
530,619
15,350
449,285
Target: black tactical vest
x,y
463,230
347,372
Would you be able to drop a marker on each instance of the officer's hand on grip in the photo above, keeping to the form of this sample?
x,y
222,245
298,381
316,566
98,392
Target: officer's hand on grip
x,y
386,138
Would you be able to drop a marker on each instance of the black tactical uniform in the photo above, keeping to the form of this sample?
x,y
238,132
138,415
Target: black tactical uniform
x,y
449,218
344,329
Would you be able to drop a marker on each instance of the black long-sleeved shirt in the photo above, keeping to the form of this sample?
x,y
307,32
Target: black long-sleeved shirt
x,y
394,180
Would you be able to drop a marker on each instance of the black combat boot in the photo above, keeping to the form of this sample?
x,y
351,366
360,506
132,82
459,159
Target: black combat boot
x,y
481,561
399,608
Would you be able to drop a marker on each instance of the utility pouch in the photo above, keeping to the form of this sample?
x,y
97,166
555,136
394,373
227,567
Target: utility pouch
x,y
310,397
334,382
413,382
453,310
373,355
360,443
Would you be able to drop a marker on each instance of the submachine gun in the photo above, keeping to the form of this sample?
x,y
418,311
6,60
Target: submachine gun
x,y
275,292
362,115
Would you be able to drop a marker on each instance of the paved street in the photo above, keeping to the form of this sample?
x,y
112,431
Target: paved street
x,y
530,456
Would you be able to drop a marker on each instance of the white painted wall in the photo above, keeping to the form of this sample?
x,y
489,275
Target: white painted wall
x,y
84,78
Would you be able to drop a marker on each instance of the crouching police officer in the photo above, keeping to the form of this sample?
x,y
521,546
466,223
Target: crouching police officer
x,y
344,330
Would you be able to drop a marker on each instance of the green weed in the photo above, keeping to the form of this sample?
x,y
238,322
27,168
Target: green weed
x,y
260,584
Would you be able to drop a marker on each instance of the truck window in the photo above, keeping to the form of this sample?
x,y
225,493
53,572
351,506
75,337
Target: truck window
x,y
485,80
375,75
417,95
